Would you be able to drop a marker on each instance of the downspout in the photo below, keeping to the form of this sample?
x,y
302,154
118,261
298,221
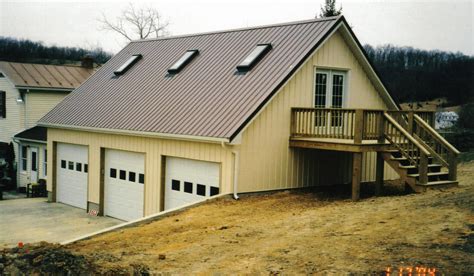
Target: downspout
x,y
236,169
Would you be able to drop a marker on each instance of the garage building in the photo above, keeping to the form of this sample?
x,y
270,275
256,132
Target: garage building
x,y
171,121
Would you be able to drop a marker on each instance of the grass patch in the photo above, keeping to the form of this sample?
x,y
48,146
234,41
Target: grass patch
x,y
466,156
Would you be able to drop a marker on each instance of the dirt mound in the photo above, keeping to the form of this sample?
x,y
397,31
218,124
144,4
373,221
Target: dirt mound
x,y
53,259
43,258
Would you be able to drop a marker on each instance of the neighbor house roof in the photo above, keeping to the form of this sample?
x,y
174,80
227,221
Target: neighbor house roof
x,y
28,75
36,133
209,97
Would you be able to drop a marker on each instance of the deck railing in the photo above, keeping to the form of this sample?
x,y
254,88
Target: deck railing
x,y
353,124
323,123
439,148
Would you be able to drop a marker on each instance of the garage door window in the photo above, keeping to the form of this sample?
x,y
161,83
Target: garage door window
x,y
86,168
201,189
63,164
188,187
132,176
79,167
214,191
141,178
113,173
175,185
123,175
71,165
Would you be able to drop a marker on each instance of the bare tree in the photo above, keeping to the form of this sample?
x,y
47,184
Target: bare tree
x,y
136,23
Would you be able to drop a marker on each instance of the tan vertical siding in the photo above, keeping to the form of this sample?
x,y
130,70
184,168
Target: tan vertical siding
x,y
153,148
267,161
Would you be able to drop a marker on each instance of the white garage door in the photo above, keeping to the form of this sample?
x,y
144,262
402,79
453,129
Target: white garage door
x,y
72,169
124,181
189,180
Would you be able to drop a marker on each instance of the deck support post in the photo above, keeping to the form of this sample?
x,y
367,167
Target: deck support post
x,y
379,173
356,175
453,166
358,126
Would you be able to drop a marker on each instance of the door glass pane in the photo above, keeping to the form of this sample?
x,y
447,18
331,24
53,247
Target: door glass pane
x,y
34,161
337,95
337,90
320,98
320,91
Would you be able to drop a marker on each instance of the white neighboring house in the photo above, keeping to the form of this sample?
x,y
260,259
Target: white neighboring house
x,y
27,92
446,119
32,157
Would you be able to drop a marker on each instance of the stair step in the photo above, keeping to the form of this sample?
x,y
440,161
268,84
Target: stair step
x,y
429,174
404,158
439,184
413,167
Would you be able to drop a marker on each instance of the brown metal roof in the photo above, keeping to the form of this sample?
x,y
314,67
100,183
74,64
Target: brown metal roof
x,y
45,76
207,98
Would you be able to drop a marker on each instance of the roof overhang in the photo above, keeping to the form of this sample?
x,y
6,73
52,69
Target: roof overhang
x,y
203,139
18,140
32,88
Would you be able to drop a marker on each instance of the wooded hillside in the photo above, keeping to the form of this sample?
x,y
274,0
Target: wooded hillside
x,y
24,50
419,75
409,74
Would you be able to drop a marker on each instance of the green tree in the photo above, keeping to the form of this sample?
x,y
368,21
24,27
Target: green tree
x,y
330,9
466,116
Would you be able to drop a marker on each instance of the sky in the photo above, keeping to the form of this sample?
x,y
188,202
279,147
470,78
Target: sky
x,y
442,25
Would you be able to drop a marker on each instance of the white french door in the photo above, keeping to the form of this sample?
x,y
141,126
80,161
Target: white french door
x,y
329,92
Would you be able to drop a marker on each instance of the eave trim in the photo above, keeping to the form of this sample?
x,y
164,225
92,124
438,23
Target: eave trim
x,y
138,133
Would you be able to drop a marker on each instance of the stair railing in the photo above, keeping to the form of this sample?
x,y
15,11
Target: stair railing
x,y
440,149
416,154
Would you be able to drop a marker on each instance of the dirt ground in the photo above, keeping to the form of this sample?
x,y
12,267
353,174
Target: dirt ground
x,y
301,233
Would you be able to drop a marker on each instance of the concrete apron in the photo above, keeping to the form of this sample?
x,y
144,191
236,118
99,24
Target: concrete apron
x,y
146,219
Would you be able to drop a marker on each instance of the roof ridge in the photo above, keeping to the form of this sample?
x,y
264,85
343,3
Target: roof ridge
x,y
307,21
59,65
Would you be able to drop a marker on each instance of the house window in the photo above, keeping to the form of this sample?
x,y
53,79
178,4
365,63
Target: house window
x,y
45,162
24,158
3,104
128,64
254,57
183,61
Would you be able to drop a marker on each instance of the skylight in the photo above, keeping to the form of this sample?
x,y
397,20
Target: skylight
x,y
255,56
128,64
183,61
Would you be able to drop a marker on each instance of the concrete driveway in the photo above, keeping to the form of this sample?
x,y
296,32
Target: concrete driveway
x,y
34,219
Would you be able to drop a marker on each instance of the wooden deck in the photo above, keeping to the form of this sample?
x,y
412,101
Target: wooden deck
x,y
347,145
406,140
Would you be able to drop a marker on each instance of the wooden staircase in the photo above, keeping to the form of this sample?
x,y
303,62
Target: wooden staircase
x,y
422,158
